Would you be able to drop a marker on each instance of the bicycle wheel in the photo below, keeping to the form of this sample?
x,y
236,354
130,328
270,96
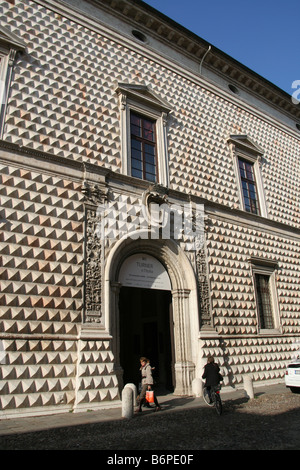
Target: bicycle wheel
x,y
218,403
206,397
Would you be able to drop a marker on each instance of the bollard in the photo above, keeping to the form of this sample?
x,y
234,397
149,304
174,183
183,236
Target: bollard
x,y
197,387
127,402
134,391
248,386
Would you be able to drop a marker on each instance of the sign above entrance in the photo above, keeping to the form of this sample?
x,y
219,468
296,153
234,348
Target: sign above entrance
x,y
144,271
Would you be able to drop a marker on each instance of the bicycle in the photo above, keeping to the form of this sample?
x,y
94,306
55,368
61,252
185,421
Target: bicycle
x,y
213,399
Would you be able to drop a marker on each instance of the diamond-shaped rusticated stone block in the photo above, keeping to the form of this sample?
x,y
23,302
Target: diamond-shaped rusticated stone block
x,y
37,373
96,377
42,252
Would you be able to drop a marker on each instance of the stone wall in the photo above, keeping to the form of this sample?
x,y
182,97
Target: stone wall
x,y
43,363
63,104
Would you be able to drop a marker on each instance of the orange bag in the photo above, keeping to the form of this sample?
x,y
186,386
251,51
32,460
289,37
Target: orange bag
x,y
150,396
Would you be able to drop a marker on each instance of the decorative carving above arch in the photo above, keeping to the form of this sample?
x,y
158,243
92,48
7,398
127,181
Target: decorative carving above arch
x,y
157,195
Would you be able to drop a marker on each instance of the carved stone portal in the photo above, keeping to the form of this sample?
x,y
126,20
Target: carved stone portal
x,y
184,294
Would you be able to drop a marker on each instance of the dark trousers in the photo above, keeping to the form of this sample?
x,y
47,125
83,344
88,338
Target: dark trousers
x,y
209,388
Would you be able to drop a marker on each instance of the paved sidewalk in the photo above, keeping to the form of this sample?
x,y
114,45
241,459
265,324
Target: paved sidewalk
x,y
168,402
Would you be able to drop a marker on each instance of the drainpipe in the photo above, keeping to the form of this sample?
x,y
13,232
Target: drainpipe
x,y
200,67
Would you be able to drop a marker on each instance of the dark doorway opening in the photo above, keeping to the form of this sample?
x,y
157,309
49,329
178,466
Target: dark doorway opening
x,y
146,329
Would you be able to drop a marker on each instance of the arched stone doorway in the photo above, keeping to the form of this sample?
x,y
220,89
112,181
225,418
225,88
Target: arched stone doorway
x,y
184,304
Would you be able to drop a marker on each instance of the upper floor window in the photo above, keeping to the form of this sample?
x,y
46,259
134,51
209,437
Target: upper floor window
x,y
249,189
246,157
143,148
143,134
5,74
10,44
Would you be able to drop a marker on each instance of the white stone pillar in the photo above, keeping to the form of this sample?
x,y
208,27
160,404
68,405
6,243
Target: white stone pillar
x,y
134,391
248,386
127,402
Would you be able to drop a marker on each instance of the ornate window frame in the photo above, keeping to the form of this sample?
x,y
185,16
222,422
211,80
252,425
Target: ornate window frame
x,y
243,148
10,44
141,100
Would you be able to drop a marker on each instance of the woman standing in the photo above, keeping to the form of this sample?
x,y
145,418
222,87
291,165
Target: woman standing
x,y
147,382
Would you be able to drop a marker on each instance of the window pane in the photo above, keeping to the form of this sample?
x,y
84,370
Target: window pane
x,y
136,154
252,189
150,149
137,164
143,148
150,168
150,177
254,208
135,119
149,130
136,173
247,204
150,159
135,144
136,125
245,189
242,170
249,172
135,130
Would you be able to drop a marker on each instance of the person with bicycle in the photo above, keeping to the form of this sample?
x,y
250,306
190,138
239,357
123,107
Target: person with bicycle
x,y
211,375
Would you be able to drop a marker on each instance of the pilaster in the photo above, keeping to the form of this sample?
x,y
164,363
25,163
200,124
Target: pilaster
x,y
184,368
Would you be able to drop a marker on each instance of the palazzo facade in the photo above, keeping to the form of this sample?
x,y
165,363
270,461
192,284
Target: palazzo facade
x,y
149,206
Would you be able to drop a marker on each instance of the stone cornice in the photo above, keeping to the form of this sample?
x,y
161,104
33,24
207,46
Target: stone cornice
x,y
145,18
50,163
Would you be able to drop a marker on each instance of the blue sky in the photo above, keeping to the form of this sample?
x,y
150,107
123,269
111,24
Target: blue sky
x,y
263,35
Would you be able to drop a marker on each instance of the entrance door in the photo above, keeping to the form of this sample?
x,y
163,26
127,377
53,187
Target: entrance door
x,y
146,330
